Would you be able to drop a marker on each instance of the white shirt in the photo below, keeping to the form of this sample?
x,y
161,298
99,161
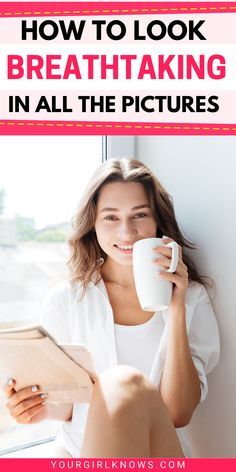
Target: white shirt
x,y
89,321
137,345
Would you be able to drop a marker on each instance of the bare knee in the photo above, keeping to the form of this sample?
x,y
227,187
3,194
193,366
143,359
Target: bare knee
x,y
124,377
123,389
122,374
118,406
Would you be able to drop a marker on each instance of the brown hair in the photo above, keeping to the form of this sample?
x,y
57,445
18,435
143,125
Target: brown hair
x,y
86,254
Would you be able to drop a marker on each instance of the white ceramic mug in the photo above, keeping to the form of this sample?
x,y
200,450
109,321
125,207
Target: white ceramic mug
x,y
153,292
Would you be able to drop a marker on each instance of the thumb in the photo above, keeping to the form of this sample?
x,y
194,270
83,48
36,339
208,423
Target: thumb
x,y
9,388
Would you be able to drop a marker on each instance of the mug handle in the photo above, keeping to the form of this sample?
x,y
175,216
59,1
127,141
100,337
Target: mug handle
x,y
175,256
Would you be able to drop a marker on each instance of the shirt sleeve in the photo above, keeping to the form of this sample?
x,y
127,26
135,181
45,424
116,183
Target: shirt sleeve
x,y
55,310
204,339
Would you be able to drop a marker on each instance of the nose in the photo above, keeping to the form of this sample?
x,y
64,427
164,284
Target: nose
x,y
127,228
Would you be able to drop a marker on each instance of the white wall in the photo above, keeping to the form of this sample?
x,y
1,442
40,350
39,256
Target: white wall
x,y
200,174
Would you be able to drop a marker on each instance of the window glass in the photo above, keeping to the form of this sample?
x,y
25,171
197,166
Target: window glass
x,y
41,181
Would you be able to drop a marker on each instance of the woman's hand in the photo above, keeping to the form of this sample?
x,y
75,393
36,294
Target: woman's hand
x,y
179,277
26,406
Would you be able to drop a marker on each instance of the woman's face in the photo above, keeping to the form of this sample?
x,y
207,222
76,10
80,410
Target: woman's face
x,y
123,217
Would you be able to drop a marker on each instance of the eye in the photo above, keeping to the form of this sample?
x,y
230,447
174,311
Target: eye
x,y
140,215
110,218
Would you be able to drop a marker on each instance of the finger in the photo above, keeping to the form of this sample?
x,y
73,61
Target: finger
x,y
166,262
23,395
27,404
27,416
164,251
183,272
167,251
162,262
175,279
181,269
9,388
167,240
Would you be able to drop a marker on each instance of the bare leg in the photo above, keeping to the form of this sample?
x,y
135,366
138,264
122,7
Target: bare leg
x,y
127,418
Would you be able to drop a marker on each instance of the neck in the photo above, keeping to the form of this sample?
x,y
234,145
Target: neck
x,y
118,274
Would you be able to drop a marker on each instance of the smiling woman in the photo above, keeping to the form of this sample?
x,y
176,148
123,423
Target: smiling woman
x,y
112,202
151,366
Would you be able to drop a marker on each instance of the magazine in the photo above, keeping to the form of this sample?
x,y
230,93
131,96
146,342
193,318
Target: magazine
x,y
32,357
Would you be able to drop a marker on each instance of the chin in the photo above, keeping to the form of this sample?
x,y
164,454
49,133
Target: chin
x,y
121,261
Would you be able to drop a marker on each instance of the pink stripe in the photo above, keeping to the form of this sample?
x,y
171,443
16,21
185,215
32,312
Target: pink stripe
x,y
46,465
33,127
26,9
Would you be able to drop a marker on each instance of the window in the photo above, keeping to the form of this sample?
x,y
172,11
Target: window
x,y
41,181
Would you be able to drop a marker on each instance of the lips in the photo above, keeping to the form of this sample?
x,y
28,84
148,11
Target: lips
x,y
124,248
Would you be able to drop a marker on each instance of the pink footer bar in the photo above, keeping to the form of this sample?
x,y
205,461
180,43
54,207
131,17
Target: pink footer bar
x,y
22,9
182,464
33,127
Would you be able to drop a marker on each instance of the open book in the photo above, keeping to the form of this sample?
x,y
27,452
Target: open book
x,y
32,357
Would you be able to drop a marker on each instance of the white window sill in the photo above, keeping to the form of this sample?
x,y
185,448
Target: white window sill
x,y
43,450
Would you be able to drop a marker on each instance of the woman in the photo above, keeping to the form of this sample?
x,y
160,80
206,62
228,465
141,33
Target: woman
x,y
152,366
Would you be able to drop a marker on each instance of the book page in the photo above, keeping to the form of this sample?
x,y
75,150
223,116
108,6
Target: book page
x,y
41,362
81,356
30,334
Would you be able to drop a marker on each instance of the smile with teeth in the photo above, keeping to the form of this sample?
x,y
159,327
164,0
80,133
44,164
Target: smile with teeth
x,y
125,248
